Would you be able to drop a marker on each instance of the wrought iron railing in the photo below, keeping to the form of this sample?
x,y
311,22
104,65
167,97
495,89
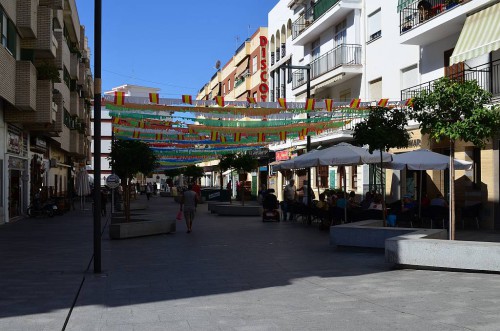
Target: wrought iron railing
x,y
311,15
283,50
418,12
278,53
486,75
272,58
345,54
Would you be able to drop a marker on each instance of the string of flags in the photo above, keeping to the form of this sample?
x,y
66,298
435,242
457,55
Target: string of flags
x,y
215,127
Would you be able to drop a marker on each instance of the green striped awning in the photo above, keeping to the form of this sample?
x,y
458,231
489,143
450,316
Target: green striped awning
x,y
403,4
480,35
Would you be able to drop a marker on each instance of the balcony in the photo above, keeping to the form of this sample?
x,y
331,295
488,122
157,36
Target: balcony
x,y
26,86
27,18
74,104
326,13
74,66
420,12
487,76
8,75
81,74
343,55
242,86
272,58
45,44
242,53
283,50
55,4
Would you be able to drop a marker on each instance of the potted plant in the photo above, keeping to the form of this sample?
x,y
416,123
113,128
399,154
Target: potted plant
x,y
48,71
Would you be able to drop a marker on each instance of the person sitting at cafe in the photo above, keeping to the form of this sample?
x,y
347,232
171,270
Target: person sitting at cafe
x,y
408,203
322,204
376,203
367,201
439,201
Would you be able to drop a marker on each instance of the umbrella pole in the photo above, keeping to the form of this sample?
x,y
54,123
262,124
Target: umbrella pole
x,y
420,196
345,195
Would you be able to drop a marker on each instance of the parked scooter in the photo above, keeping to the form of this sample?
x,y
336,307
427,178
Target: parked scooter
x,y
37,209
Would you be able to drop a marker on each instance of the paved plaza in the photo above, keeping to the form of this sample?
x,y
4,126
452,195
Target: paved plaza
x,y
228,274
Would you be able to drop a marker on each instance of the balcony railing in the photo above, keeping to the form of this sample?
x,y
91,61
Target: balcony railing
x,y
487,76
272,58
419,12
311,15
345,54
278,54
283,50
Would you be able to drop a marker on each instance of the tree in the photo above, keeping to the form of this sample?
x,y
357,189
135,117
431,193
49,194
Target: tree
x,y
383,129
193,172
171,173
244,163
127,158
456,111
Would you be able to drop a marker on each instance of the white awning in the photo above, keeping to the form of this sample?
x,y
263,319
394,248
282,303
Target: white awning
x,y
480,35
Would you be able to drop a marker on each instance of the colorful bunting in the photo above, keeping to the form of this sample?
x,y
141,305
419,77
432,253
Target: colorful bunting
x,y
222,139
154,98
383,102
187,99
310,104
355,103
180,137
251,100
237,136
283,135
409,102
282,103
220,101
136,134
116,120
159,136
329,104
261,137
119,98
214,135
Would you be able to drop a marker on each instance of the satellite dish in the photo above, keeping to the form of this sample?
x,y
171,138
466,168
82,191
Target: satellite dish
x,y
217,65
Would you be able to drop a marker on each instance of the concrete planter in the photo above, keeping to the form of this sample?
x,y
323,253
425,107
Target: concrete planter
x,y
139,228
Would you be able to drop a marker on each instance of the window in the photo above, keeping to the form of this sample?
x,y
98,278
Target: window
x,y
3,27
254,64
345,96
229,85
374,25
224,88
315,48
8,33
322,172
66,77
354,178
376,89
409,77
340,34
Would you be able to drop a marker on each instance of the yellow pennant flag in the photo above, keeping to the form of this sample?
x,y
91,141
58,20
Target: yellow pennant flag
x,y
154,97
180,137
214,135
116,120
237,136
141,124
159,136
261,137
119,98
282,135
409,102
329,104
222,139
187,99
282,102
251,100
220,101
310,104
383,102
355,103
136,134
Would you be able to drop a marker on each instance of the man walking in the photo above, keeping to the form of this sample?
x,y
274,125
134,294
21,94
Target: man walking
x,y
189,201
289,198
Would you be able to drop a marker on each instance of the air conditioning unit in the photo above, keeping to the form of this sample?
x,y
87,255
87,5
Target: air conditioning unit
x,y
53,163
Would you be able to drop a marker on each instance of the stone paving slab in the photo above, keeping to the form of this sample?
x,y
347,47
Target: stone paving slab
x,y
225,275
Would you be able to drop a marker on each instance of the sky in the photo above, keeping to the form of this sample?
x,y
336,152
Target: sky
x,y
171,45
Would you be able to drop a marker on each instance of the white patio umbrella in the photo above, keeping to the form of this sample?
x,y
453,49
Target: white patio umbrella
x,y
290,164
424,159
82,185
342,154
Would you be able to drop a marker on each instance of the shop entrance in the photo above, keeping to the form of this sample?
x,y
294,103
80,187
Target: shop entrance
x,y
15,193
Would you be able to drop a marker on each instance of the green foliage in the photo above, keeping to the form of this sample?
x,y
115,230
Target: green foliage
x,y
383,129
193,171
172,172
226,162
48,71
129,157
245,163
456,110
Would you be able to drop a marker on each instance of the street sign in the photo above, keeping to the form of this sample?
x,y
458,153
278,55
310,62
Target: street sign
x,y
113,181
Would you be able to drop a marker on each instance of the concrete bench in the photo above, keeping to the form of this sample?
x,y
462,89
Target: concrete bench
x,y
213,205
372,233
141,228
238,210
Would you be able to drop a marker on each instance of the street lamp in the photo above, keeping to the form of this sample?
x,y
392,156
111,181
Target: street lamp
x,y
97,134
307,68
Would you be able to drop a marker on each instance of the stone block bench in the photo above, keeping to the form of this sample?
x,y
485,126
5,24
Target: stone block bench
x,y
213,206
238,210
416,247
139,228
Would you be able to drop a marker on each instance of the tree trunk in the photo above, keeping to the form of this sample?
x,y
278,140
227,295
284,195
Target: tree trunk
x,y
126,200
382,188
